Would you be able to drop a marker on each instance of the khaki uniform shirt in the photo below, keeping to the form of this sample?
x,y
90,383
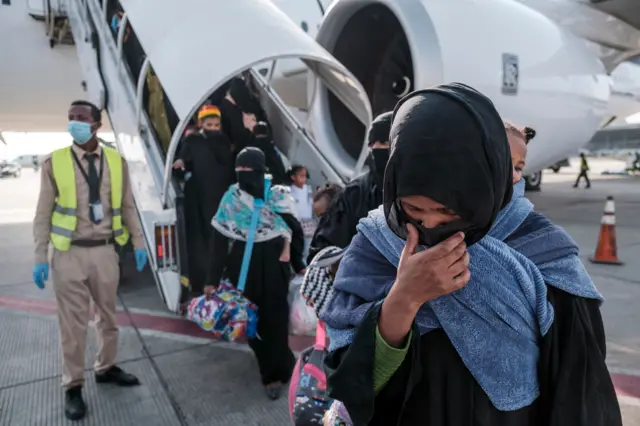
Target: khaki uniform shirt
x,y
86,229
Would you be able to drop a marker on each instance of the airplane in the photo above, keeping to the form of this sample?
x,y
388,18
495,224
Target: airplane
x,y
360,56
287,78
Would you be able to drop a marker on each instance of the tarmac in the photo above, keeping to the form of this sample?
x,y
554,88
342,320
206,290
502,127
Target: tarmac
x,y
188,379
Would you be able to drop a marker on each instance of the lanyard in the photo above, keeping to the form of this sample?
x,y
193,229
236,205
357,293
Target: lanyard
x,y
86,176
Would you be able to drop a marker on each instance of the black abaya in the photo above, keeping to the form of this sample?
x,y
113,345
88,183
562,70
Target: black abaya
x,y
233,126
267,286
210,162
433,387
274,163
338,225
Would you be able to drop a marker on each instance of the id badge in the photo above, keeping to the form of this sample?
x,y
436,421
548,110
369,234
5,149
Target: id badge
x,y
98,213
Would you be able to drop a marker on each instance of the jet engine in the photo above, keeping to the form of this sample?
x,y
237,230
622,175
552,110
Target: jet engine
x,y
536,73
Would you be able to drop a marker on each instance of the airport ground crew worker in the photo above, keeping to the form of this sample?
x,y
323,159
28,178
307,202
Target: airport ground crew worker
x,y
584,168
85,208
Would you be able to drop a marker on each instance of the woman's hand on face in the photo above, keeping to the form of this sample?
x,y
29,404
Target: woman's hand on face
x,y
434,272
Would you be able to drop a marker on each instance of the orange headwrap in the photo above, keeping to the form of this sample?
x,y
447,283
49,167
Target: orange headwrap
x,y
208,111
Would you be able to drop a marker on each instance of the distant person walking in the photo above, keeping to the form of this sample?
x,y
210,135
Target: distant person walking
x,y
584,168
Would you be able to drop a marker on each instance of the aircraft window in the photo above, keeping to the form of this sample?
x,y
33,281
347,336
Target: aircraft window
x,y
304,26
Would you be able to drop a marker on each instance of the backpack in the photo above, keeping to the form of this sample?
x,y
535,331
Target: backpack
x,y
308,398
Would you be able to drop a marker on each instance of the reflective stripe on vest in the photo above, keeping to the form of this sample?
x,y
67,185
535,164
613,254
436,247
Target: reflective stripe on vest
x,y
64,218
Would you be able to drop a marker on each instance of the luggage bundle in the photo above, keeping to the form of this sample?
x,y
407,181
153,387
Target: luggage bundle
x,y
227,313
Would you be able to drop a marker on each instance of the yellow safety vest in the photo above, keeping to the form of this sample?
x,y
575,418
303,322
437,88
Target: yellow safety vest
x,y
64,219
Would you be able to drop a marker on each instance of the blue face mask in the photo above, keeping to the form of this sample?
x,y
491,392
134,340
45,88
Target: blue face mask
x,y
80,132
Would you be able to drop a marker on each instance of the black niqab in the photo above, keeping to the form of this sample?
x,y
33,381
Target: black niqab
x,y
448,143
252,182
379,132
380,128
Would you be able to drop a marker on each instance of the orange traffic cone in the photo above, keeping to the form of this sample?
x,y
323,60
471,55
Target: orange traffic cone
x,y
606,250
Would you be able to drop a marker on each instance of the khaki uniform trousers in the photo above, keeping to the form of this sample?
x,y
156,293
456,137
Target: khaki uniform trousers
x,y
79,275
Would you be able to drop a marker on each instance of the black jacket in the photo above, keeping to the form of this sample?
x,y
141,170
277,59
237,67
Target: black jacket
x,y
338,225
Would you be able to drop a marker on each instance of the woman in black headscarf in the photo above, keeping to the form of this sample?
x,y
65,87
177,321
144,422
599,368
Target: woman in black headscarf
x,y
264,141
456,304
237,103
278,247
338,225
205,158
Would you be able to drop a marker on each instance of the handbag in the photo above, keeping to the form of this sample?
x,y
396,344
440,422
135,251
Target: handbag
x,y
227,313
317,285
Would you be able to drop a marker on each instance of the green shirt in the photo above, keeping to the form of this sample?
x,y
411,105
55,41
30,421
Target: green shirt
x,y
387,360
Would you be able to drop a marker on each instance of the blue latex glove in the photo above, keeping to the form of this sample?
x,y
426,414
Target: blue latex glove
x,y
40,274
141,259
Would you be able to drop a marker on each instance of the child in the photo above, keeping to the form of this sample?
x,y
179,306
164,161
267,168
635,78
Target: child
x,y
301,193
323,199
519,138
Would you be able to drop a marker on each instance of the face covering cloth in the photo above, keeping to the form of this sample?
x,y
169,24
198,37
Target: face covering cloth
x,y
233,217
497,319
251,181
380,127
80,132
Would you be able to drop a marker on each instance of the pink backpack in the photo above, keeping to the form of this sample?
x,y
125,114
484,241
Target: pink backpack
x,y
308,398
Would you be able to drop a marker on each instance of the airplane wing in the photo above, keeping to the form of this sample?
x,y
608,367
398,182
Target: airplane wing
x,y
626,10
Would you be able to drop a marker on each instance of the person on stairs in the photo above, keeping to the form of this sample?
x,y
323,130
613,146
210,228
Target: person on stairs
x,y
85,209
301,193
338,225
207,155
278,247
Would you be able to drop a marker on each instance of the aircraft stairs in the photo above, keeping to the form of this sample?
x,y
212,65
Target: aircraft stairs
x,y
123,70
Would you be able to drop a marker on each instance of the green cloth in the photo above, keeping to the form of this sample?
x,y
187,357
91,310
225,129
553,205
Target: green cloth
x,y
387,360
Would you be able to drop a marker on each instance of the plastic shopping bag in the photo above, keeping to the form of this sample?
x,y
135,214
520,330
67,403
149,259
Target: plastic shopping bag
x,y
302,318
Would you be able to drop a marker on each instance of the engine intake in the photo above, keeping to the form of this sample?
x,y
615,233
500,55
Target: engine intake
x,y
543,77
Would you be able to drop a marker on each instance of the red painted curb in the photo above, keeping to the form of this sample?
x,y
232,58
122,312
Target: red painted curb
x,y
175,325
625,384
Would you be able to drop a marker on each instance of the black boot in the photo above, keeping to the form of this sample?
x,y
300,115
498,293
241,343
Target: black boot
x,y
273,390
74,406
117,376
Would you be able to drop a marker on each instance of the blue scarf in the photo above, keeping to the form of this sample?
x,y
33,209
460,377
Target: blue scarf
x,y
496,321
233,217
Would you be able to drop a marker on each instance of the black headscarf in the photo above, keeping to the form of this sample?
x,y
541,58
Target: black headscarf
x,y
380,128
448,143
241,95
252,181
379,132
